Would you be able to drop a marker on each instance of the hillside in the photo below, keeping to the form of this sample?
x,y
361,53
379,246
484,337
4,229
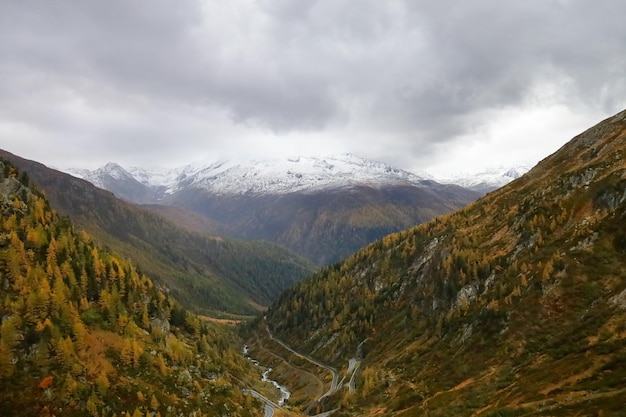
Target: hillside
x,y
204,272
321,208
85,333
513,306
329,225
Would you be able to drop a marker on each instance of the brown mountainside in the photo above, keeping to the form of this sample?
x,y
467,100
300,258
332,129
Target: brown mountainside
x,y
513,306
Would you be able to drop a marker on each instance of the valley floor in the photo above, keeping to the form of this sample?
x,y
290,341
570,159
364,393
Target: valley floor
x,y
313,384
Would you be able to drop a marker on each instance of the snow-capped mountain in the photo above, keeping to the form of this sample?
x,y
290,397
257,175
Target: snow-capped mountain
x,y
259,177
101,176
119,181
322,208
487,180
295,175
281,176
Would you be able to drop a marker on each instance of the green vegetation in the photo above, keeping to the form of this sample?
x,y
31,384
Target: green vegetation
x,y
83,332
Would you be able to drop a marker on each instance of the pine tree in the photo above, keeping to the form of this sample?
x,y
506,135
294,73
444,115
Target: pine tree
x,y
161,365
8,343
547,271
91,405
102,383
154,403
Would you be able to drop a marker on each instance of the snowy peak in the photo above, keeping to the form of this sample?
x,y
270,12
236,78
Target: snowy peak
x,y
288,175
114,171
488,180
516,172
103,175
277,176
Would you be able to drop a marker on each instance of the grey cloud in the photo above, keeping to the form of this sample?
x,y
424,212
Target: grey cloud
x,y
415,72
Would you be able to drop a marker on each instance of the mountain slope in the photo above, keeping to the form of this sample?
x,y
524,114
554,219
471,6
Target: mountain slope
x,y
206,273
326,226
83,332
513,306
321,208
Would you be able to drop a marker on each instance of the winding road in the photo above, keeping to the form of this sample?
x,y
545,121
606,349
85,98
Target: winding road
x,y
335,385
333,371
268,405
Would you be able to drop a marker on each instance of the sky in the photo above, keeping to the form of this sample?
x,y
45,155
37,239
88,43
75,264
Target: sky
x,y
428,86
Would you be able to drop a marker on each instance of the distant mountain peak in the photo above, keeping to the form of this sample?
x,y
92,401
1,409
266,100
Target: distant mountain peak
x,y
297,174
259,176
115,170
487,180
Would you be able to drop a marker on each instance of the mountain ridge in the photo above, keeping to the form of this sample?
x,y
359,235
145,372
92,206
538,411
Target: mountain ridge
x,y
271,176
286,175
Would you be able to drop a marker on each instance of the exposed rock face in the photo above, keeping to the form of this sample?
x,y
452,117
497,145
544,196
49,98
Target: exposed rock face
x,y
162,325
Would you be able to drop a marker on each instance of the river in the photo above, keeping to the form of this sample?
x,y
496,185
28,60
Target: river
x,y
284,392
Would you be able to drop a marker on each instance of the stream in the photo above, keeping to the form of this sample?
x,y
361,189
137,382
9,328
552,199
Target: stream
x,y
284,392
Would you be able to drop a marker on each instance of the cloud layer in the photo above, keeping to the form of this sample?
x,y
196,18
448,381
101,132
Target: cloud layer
x,y
415,83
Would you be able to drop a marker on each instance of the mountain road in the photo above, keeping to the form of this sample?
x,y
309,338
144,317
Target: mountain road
x,y
333,371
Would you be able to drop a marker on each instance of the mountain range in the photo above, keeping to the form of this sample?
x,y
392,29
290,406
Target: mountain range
x,y
277,176
204,271
321,208
258,177
512,306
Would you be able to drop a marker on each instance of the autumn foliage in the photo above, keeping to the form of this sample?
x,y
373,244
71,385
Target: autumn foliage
x,y
46,382
86,327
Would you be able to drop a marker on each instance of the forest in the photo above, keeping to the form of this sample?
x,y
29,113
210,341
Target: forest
x,y
83,330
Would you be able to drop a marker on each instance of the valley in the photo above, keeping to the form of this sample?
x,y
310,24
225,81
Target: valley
x,y
280,208
311,381
511,306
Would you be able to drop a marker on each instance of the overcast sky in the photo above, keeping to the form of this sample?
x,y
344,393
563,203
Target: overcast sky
x,y
439,86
